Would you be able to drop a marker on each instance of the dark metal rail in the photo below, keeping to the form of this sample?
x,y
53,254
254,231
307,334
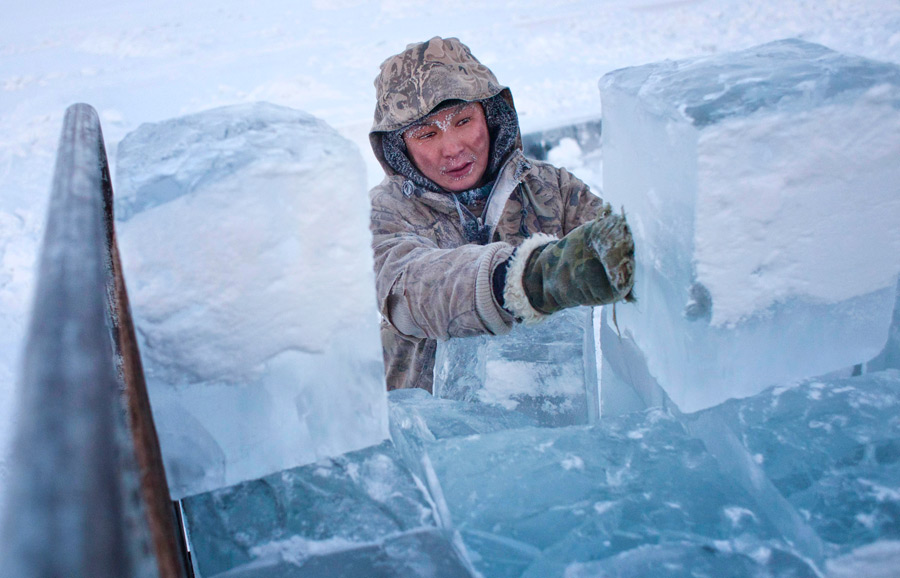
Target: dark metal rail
x,y
87,494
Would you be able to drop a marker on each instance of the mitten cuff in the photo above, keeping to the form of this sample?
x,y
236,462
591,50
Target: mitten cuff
x,y
514,295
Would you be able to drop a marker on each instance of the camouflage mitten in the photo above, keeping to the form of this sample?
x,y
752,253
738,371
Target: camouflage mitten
x,y
592,265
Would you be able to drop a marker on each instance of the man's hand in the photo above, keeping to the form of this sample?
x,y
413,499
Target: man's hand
x,y
592,265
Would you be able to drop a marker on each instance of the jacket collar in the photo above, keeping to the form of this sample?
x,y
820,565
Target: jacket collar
x,y
511,174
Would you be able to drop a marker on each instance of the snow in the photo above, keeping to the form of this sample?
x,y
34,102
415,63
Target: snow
x,y
147,62
762,189
245,242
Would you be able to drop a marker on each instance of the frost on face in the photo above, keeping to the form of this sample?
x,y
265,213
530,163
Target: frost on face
x,y
442,121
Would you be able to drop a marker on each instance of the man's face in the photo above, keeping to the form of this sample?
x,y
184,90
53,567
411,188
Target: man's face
x,y
451,147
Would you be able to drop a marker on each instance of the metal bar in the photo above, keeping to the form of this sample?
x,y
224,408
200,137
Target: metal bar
x,y
163,524
87,495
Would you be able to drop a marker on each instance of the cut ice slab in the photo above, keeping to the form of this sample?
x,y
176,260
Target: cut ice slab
x,y
763,190
681,559
417,554
546,371
536,500
359,515
832,448
246,249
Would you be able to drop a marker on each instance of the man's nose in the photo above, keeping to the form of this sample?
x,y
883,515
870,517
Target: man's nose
x,y
451,144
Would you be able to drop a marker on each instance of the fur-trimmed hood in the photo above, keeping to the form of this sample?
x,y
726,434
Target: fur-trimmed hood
x,y
416,81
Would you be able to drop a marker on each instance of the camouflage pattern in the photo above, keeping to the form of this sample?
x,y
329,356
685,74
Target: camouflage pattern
x,y
592,265
414,82
431,284
425,267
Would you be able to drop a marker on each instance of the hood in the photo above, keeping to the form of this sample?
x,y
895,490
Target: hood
x,y
413,83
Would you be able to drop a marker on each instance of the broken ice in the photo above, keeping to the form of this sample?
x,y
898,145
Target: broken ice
x,y
530,502
361,514
546,371
832,448
245,243
764,191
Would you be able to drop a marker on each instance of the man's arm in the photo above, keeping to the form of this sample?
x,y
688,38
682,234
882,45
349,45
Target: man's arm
x,y
425,291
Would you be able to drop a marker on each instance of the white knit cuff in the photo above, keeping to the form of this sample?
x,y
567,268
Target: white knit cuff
x,y
514,296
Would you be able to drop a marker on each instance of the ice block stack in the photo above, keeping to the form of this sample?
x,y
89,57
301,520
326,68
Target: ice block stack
x,y
763,188
246,248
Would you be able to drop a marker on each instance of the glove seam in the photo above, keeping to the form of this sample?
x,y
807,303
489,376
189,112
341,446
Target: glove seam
x,y
514,295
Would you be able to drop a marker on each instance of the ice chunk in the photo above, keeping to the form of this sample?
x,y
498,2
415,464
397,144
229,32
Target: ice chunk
x,y
446,418
245,242
417,554
764,191
832,448
694,559
363,509
539,499
417,418
546,371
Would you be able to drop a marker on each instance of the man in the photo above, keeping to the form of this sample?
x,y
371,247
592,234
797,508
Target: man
x,y
470,236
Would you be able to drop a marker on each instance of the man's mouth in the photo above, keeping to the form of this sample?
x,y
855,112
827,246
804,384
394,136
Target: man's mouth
x,y
460,171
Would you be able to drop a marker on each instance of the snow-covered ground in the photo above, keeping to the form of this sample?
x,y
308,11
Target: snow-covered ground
x,y
145,62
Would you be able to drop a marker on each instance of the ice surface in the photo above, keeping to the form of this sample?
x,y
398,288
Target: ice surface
x,y
635,495
546,371
245,242
832,448
417,554
363,510
677,560
764,191
445,418
533,501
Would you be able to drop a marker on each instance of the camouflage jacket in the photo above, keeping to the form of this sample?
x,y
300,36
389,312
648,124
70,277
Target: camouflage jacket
x,y
431,283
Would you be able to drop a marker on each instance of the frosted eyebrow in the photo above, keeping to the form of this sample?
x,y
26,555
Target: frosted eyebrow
x,y
443,125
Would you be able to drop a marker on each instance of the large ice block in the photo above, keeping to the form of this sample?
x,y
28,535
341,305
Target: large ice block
x,y
763,187
359,515
832,448
533,501
428,553
680,559
245,243
546,371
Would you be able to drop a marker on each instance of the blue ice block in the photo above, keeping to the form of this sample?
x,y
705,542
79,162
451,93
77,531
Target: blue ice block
x,y
536,500
832,448
337,512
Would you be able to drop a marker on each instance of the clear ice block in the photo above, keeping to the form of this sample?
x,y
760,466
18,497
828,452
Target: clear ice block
x,y
763,189
680,559
416,554
546,371
254,318
832,448
536,500
446,418
363,509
